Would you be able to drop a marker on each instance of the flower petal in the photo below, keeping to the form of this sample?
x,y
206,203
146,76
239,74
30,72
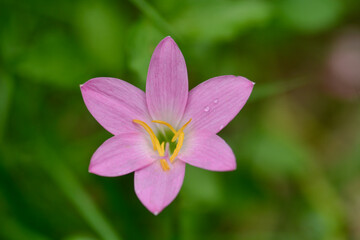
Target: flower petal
x,y
215,102
114,103
157,188
167,83
121,155
208,151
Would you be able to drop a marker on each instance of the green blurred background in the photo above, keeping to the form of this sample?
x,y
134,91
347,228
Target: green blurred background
x,y
297,140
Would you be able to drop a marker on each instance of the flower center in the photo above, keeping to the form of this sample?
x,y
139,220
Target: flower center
x,y
160,147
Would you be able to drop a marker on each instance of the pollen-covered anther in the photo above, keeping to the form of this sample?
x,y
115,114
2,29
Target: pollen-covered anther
x,y
165,166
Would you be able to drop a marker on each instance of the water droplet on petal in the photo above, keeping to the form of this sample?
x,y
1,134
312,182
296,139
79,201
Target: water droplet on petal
x,y
216,101
207,108
221,127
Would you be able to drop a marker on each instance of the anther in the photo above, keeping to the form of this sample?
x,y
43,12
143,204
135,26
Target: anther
x,y
166,124
180,130
165,166
178,147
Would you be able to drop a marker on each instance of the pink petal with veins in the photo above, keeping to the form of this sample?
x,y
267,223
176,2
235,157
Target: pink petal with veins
x,y
215,102
167,83
208,151
122,154
114,103
157,188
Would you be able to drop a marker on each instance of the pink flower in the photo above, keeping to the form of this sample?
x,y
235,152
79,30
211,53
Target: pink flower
x,y
156,133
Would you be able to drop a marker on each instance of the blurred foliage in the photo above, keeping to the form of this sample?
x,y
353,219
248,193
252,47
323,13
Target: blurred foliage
x,y
226,20
311,15
296,140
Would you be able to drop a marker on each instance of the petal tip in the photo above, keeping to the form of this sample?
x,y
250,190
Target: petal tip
x,y
233,163
83,87
100,172
95,170
226,169
152,208
156,212
244,79
233,168
86,85
247,82
91,169
167,40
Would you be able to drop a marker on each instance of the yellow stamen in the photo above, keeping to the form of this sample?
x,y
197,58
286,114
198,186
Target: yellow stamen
x,y
166,124
165,166
162,147
180,131
178,135
158,148
178,147
153,138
